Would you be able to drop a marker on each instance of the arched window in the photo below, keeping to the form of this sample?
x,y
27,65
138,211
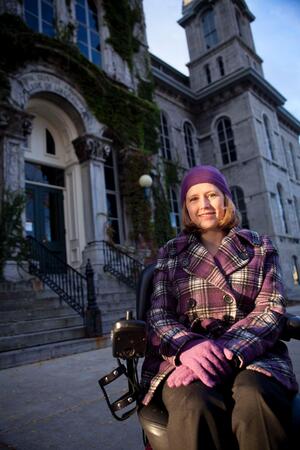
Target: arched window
x,y
209,28
221,66
293,161
239,201
280,203
175,213
39,16
239,22
50,143
295,270
207,73
268,136
189,144
88,38
226,140
165,144
297,210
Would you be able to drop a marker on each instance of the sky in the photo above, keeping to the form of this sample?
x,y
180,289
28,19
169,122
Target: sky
x,y
276,33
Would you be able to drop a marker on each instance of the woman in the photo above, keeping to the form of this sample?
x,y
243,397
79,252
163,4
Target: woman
x,y
214,355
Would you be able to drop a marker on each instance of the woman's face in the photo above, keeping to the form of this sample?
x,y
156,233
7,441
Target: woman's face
x,y
205,205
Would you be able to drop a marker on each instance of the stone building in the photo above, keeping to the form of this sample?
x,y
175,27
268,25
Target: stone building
x,y
77,108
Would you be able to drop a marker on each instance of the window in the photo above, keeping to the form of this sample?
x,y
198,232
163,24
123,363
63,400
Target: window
x,y
50,144
189,145
295,173
112,199
39,16
281,210
221,66
295,270
207,73
239,201
209,29
297,211
164,137
174,214
268,136
239,22
226,140
88,38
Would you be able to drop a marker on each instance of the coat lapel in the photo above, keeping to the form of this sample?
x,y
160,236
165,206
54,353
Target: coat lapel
x,y
230,257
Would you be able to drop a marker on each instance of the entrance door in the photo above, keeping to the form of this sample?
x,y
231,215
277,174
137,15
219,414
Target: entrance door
x,y
45,217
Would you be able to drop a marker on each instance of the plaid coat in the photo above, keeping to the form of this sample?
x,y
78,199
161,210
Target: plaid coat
x,y
235,297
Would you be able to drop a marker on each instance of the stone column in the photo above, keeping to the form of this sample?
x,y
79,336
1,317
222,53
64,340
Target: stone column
x,y
15,126
92,152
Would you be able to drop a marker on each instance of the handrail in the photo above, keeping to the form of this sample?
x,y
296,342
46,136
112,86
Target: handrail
x,y
64,280
123,266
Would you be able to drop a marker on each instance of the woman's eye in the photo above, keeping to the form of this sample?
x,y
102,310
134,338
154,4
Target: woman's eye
x,y
212,195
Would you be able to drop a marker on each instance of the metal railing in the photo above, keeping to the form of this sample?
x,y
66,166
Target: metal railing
x,y
123,266
64,280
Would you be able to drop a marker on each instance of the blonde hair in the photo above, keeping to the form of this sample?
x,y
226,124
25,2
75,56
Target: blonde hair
x,y
231,217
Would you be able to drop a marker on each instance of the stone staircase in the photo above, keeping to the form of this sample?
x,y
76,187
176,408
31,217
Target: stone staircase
x,y
35,325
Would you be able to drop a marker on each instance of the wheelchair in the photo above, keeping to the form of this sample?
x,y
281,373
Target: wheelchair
x,y
129,344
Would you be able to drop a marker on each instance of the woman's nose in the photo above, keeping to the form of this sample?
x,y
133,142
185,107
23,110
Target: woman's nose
x,y
204,202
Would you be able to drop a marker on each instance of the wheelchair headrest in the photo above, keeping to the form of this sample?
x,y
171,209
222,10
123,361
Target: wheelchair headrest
x,y
144,291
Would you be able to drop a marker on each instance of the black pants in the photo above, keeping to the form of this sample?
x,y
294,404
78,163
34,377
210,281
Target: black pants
x,y
253,413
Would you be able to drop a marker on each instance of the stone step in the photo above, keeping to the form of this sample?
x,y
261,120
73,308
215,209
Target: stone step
x,y
13,304
118,304
40,338
16,327
16,358
36,313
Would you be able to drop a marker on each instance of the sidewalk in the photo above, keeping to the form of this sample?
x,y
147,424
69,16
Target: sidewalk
x,y
58,405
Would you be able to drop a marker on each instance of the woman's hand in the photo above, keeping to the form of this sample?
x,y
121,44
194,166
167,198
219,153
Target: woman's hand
x,y
181,376
207,360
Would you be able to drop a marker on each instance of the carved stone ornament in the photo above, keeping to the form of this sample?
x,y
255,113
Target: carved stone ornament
x,y
91,147
14,122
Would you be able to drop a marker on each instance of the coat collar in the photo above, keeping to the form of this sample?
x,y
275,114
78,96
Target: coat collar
x,y
233,254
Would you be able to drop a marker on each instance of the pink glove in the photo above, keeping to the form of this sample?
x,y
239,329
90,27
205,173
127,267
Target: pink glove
x,y
182,376
207,361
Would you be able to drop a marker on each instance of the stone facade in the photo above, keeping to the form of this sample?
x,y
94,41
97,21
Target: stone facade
x,y
225,94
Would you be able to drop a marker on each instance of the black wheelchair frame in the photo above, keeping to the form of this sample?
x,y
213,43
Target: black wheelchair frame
x,y
129,344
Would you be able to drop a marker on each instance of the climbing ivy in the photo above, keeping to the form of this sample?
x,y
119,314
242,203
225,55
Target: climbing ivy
x,y
13,244
121,19
134,164
132,119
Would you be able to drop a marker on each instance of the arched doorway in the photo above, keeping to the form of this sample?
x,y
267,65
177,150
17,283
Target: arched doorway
x,y
54,213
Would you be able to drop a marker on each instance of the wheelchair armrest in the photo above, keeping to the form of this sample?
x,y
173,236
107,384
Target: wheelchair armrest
x,y
291,328
128,338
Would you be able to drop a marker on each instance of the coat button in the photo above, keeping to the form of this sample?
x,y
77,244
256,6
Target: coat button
x,y
243,255
192,303
185,262
227,299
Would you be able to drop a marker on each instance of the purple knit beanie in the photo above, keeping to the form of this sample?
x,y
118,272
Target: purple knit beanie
x,y
204,174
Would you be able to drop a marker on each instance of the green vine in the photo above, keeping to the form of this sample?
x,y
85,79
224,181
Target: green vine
x,y
162,226
121,19
13,245
132,119
134,164
171,174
